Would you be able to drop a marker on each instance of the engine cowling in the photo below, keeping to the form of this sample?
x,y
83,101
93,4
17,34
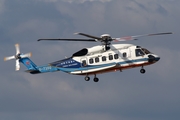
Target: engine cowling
x,y
89,51
96,49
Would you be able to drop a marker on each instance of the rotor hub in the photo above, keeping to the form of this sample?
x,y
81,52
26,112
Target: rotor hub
x,y
18,56
106,37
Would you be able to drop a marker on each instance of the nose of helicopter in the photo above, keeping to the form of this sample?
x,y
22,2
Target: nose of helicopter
x,y
157,58
153,58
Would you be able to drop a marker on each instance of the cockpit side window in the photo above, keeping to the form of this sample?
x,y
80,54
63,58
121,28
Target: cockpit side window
x,y
139,52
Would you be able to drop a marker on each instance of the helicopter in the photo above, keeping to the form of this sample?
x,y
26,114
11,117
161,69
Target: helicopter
x,y
98,59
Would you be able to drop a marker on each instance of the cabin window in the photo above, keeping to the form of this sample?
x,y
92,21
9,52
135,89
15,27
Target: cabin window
x,y
116,56
84,63
110,57
91,61
96,59
139,52
104,58
124,55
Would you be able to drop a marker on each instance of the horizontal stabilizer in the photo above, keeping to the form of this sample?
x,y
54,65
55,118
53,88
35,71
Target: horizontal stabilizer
x,y
33,71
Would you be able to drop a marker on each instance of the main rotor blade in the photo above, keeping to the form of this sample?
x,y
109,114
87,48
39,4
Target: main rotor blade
x,y
17,49
90,36
135,37
160,34
86,40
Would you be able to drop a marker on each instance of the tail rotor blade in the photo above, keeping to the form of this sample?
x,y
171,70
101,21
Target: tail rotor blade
x,y
17,49
9,58
26,55
17,65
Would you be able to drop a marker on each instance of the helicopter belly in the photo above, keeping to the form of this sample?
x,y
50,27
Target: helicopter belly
x,y
92,69
109,69
113,67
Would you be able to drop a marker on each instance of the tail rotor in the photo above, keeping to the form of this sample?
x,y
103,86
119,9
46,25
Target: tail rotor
x,y
17,49
17,56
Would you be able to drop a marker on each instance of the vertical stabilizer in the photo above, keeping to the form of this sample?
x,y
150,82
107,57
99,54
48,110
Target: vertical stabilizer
x,y
28,63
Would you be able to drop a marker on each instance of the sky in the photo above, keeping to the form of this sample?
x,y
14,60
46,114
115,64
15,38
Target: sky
x,y
126,95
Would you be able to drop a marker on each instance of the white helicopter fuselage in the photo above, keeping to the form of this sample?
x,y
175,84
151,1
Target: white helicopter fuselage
x,y
97,60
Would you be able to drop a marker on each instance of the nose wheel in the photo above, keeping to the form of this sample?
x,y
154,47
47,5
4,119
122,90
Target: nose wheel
x,y
142,70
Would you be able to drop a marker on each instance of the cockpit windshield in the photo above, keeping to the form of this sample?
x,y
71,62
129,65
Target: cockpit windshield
x,y
145,51
141,51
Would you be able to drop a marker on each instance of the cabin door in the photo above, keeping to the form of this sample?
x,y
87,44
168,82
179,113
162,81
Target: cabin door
x,y
130,57
127,56
83,62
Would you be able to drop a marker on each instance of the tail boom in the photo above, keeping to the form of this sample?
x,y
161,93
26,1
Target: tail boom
x,y
34,69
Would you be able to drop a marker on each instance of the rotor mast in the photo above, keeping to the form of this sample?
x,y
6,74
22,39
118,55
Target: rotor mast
x,y
106,41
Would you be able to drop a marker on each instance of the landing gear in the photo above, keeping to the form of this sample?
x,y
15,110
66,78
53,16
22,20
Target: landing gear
x,y
87,78
142,70
95,78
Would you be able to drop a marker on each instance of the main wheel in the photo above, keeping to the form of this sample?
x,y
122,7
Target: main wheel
x,y
142,71
96,79
87,78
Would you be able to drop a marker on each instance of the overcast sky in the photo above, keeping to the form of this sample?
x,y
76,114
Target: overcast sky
x,y
126,95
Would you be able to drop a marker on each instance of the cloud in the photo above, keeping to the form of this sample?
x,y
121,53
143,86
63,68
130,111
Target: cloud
x,y
76,1
2,6
31,26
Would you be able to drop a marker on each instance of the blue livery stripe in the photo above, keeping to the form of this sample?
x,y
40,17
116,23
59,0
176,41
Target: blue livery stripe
x,y
102,65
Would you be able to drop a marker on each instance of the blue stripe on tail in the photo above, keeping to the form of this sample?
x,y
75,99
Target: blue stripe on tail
x,y
28,63
33,69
